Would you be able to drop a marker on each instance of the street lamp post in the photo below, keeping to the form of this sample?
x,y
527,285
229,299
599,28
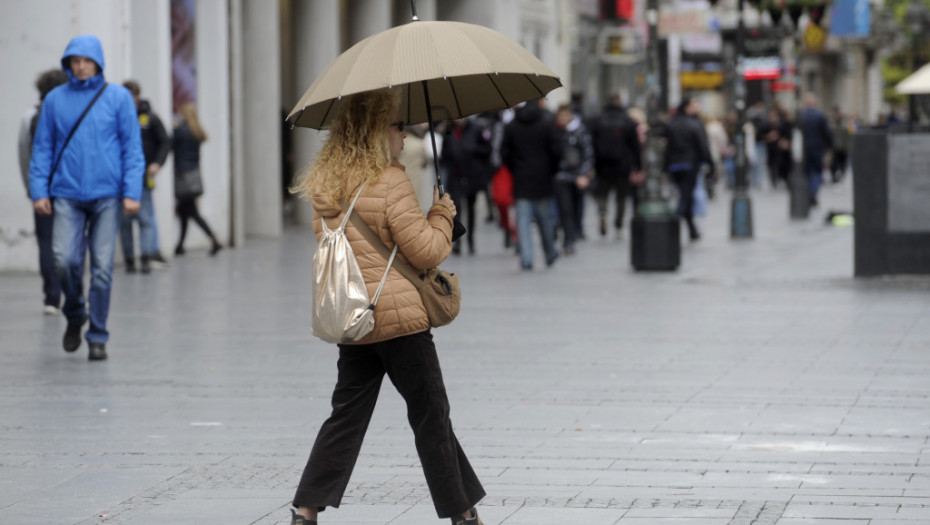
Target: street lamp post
x,y
740,205
655,242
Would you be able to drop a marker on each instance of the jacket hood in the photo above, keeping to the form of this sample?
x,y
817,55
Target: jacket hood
x,y
143,107
529,113
82,46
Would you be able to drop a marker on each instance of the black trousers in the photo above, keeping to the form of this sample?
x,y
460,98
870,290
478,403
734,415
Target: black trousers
x,y
686,180
620,183
413,367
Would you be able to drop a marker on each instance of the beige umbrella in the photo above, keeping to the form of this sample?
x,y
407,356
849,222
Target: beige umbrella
x,y
445,70
917,83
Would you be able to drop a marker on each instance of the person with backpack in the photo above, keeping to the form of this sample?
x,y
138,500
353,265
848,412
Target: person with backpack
x,y
617,157
51,287
358,162
156,144
87,164
574,174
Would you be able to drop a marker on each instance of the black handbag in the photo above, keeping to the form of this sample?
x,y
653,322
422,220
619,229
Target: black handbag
x,y
188,185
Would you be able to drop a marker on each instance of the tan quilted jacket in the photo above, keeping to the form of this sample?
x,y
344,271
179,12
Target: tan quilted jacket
x,y
389,206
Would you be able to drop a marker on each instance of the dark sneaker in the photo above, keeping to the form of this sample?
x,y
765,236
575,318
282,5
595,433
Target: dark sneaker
x,y
72,339
602,226
98,352
130,266
297,519
146,267
158,262
458,520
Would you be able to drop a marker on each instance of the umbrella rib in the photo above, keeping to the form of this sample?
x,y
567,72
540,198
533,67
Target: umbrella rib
x,y
527,77
499,92
328,108
455,97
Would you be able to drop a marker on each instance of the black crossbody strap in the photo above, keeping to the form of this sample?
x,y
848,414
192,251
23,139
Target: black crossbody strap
x,y
71,134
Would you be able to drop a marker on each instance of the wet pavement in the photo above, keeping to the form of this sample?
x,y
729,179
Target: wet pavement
x,y
759,384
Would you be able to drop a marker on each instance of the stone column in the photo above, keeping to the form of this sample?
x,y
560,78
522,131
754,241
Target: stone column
x,y
261,113
150,66
316,45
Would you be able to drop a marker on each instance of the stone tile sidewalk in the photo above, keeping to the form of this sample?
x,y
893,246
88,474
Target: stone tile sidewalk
x,y
760,384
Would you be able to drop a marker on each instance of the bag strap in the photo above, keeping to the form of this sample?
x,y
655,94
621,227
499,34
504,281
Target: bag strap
x,y
71,133
400,265
389,256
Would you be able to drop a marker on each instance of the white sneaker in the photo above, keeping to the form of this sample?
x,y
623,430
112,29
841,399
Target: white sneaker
x,y
51,310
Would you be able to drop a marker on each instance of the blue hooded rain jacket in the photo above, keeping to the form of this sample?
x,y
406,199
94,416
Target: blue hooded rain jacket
x,y
104,158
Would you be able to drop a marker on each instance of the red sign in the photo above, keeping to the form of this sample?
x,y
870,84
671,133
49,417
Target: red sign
x,y
782,86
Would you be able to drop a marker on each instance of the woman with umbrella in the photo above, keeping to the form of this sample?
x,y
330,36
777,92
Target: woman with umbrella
x,y
360,154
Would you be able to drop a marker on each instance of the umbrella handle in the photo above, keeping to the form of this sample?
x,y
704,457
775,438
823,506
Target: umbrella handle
x,y
458,229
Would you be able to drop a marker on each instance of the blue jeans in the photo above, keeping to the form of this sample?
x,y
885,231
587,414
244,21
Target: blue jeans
x,y
93,225
541,210
148,228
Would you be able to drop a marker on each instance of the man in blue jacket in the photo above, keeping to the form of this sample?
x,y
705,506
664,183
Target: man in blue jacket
x,y
818,141
86,181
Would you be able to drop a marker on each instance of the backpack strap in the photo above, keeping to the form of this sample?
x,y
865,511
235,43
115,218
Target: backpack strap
x,y
71,134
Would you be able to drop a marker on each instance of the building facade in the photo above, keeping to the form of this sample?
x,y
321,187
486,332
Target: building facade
x,y
251,60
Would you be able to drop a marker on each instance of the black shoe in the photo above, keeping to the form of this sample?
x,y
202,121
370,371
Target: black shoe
x,y
72,339
458,520
130,266
98,352
146,267
215,248
179,250
551,260
297,519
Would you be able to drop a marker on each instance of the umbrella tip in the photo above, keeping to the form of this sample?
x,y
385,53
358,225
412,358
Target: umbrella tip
x,y
415,18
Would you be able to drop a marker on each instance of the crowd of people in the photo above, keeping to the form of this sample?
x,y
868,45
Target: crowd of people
x,y
89,184
543,165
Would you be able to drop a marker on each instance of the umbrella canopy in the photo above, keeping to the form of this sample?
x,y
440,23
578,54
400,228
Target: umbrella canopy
x,y
467,69
917,83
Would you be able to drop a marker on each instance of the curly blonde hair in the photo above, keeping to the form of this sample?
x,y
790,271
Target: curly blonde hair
x,y
357,148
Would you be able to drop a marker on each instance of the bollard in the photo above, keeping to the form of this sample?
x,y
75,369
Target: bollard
x,y
799,193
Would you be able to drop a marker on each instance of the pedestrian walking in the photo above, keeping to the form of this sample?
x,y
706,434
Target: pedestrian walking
x,y
818,142
531,150
360,154
617,156
51,287
574,175
686,151
842,129
87,161
156,144
466,158
188,182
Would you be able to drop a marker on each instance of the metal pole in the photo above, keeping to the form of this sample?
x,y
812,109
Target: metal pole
x,y
740,205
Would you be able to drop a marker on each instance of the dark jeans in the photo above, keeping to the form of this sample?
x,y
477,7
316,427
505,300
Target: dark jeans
x,y
413,367
620,184
51,284
570,198
685,180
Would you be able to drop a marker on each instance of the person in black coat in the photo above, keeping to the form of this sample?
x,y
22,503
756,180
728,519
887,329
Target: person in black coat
x,y
531,149
156,144
686,151
616,156
466,159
